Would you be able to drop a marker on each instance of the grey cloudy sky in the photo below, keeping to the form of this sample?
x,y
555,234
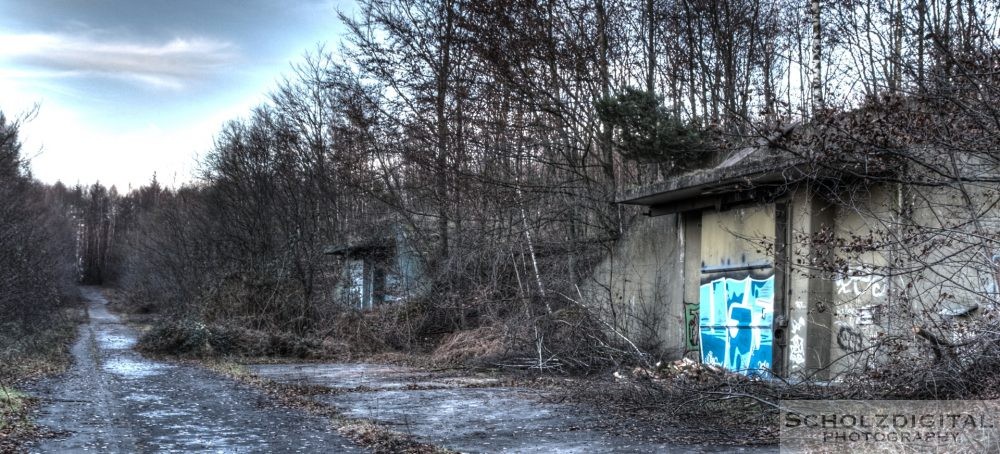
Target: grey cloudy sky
x,y
131,87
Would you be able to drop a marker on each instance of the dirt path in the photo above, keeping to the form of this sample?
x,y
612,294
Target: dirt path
x,y
114,400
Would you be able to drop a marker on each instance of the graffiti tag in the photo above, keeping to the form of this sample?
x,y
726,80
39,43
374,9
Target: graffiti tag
x,y
735,321
858,281
867,315
849,340
797,352
691,322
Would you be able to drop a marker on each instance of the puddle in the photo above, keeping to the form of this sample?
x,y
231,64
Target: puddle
x,y
130,368
140,397
348,376
467,419
114,400
486,420
197,437
99,314
115,341
164,414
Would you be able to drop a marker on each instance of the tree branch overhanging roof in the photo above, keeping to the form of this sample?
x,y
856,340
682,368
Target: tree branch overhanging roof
x,y
746,170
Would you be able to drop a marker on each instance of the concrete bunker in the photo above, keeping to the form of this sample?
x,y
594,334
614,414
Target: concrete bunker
x,y
760,295
378,269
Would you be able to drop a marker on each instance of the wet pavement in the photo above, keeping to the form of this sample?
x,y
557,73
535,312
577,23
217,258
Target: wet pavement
x,y
114,400
465,413
362,375
486,420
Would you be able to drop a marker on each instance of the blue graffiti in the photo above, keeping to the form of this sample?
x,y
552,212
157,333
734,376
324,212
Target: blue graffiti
x,y
736,317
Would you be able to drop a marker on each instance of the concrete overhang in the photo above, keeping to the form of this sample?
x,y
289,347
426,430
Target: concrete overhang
x,y
357,249
749,175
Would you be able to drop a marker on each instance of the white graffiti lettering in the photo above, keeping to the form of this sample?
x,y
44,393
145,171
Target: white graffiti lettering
x,y
797,353
711,359
797,325
860,280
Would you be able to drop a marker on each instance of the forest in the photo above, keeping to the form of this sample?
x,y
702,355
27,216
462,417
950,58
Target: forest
x,y
499,135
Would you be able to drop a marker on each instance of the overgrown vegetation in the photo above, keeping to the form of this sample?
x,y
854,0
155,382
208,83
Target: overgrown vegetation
x,y
37,350
492,138
487,140
37,269
647,132
37,283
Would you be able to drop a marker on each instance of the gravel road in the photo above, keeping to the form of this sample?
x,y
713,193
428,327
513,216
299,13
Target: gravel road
x,y
115,400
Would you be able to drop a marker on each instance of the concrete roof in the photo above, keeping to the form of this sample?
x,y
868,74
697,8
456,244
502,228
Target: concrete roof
x,y
363,247
745,169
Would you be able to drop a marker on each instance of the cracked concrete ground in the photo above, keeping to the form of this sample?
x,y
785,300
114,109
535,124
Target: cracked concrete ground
x,y
115,400
466,414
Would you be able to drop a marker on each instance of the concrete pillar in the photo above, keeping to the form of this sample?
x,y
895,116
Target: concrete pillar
x,y
810,305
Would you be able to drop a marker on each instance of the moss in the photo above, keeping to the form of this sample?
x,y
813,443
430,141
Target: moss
x,y
15,422
12,400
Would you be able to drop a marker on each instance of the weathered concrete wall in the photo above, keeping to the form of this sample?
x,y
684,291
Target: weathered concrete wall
x,y
739,236
906,284
638,287
862,292
935,260
704,275
691,258
966,252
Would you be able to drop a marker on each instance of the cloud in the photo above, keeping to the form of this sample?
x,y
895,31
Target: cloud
x,y
172,64
64,145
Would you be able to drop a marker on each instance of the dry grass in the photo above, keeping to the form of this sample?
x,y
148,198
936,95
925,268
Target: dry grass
x,y
29,353
15,424
37,350
474,344
13,406
381,440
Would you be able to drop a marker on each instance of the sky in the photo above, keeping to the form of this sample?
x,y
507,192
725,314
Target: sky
x,y
126,88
